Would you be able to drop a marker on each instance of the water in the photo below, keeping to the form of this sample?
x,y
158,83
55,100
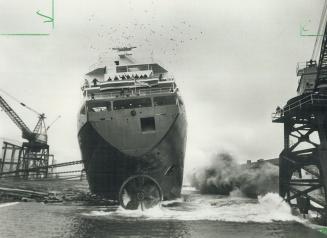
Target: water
x,y
193,216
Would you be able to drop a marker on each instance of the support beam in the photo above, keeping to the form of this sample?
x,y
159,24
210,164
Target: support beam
x,y
299,124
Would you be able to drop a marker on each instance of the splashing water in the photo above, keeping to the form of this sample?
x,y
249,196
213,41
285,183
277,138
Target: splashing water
x,y
224,175
266,209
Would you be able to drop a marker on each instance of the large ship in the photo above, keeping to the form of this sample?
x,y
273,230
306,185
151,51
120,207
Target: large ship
x,y
132,131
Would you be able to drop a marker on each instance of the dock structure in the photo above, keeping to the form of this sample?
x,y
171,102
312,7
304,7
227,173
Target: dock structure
x,y
12,164
22,162
257,164
33,153
303,160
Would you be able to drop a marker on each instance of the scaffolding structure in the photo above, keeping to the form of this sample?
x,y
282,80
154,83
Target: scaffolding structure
x,y
9,159
25,161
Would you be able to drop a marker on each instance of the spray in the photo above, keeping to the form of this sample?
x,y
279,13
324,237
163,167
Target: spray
x,y
224,176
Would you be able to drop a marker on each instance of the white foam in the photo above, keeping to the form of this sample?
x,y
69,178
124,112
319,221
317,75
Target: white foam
x,y
8,204
96,213
268,208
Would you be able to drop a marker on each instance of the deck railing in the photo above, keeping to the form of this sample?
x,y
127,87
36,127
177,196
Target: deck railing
x,y
130,93
137,82
313,99
302,65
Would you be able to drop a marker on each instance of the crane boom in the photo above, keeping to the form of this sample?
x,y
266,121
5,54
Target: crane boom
x,y
21,103
27,133
322,64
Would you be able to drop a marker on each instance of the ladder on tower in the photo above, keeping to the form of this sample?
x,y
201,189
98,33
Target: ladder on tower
x,y
322,65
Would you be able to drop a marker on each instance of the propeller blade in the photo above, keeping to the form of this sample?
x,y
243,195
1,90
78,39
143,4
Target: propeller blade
x,y
140,191
151,197
133,204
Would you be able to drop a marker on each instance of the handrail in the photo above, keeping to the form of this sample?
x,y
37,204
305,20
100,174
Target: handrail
x,y
302,65
88,86
309,99
132,93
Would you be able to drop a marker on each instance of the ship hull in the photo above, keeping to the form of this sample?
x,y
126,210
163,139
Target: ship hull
x,y
107,167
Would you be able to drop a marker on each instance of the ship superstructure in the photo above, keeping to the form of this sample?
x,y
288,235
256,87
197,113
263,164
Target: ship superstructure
x,y
132,131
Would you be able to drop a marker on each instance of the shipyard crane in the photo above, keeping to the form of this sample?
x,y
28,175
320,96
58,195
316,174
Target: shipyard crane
x,y
305,134
34,153
36,138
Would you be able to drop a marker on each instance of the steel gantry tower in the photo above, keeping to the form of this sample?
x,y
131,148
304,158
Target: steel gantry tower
x,y
33,156
303,160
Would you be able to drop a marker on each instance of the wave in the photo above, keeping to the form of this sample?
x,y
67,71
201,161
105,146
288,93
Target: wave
x,y
268,208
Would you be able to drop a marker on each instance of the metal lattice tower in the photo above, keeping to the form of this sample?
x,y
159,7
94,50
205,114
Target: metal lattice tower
x,y
33,156
303,161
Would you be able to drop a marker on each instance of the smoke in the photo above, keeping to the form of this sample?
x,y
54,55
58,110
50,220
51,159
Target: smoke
x,y
225,176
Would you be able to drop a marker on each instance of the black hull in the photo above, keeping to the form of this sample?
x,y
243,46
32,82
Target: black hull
x,y
107,167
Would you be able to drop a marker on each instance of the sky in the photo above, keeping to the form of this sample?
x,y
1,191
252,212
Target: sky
x,y
233,60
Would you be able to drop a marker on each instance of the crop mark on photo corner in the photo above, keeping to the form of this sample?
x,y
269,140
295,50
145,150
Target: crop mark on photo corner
x,y
46,19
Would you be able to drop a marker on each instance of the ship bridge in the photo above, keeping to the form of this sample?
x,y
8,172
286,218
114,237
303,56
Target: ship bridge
x,y
127,76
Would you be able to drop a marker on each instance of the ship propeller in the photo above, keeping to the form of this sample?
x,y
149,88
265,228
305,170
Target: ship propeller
x,y
140,191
